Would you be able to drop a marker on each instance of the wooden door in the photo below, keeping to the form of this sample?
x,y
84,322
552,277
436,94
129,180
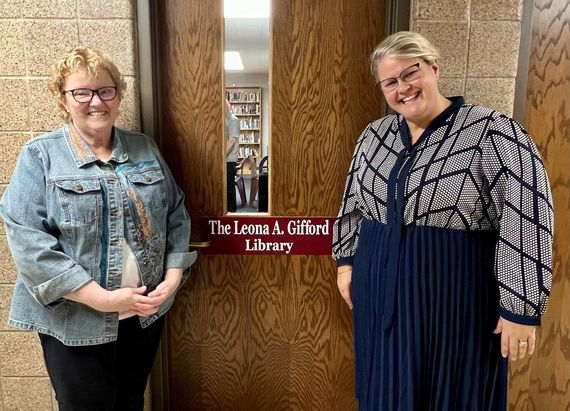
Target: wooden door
x,y
543,383
266,332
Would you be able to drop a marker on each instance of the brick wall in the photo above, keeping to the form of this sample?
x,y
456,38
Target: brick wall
x,y
32,35
479,41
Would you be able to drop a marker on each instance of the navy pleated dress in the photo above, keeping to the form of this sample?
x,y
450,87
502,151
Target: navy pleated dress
x,y
443,237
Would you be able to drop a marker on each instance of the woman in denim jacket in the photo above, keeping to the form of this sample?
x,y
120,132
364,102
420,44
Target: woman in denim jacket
x,y
99,234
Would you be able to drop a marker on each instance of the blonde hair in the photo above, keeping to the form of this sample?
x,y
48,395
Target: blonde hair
x,y
407,44
85,59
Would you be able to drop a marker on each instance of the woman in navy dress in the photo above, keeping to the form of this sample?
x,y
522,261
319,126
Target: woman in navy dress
x,y
443,243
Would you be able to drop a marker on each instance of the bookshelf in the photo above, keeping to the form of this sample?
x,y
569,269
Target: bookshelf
x,y
245,103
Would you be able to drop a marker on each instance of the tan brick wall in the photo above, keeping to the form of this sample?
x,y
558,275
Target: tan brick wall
x,y
32,35
479,41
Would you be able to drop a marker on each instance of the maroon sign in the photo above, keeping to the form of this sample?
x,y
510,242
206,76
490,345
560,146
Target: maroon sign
x,y
268,235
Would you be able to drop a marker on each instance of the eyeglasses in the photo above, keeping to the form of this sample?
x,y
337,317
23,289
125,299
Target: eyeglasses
x,y
408,74
85,95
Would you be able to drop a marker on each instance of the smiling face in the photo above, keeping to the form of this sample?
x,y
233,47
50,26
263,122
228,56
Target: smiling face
x,y
417,100
95,118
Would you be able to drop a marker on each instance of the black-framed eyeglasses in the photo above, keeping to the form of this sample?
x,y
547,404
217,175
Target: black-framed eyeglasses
x,y
85,95
408,74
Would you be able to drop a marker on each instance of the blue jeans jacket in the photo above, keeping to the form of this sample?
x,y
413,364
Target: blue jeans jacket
x,y
67,215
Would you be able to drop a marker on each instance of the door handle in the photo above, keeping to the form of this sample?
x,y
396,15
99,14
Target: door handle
x,y
199,244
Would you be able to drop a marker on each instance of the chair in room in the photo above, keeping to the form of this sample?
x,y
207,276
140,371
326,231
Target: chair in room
x,y
240,182
263,184
247,170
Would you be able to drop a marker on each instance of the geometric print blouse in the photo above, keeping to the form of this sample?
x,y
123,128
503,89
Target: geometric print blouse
x,y
472,169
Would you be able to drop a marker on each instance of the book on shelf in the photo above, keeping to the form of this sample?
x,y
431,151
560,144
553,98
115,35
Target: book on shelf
x,y
251,137
245,109
242,96
249,123
247,151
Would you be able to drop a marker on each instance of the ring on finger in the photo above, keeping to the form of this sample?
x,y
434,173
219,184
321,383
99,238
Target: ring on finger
x,y
523,344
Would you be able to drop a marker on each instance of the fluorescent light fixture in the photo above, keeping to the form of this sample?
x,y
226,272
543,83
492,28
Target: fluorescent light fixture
x,y
246,9
232,60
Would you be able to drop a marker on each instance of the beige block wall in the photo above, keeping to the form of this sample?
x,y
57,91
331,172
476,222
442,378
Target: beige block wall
x,y
479,41
32,34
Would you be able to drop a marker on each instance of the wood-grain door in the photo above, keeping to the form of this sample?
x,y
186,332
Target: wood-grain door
x,y
266,332
543,383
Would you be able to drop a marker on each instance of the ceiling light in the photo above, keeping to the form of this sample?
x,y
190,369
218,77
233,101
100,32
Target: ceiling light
x,y
246,9
232,60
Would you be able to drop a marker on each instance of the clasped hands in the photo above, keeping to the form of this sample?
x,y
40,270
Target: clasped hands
x,y
133,300
127,299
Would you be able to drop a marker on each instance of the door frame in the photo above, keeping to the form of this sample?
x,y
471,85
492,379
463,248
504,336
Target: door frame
x,y
397,19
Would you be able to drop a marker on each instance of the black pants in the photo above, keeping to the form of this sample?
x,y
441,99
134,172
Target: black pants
x,y
103,377
231,190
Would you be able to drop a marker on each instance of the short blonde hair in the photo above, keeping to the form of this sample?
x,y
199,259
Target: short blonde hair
x,y
407,44
85,59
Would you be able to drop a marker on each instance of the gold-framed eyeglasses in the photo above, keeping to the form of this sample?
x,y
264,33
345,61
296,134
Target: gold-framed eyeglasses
x,y
408,74
85,95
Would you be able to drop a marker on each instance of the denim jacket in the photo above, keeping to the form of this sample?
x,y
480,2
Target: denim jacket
x,y
67,215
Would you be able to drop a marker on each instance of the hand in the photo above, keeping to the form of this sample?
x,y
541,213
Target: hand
x,y
161,293
343,281
120,300
128,299
517,340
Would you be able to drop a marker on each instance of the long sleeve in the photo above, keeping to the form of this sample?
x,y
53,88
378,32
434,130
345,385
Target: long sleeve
x,y
347,223
520,191
47,272
177,253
